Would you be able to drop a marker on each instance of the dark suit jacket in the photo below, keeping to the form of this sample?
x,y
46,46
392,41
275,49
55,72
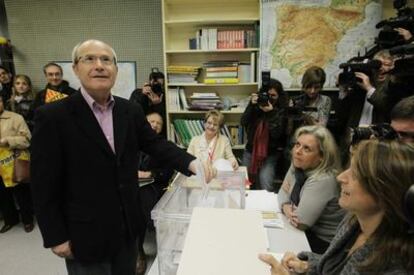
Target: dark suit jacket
x,y
82,191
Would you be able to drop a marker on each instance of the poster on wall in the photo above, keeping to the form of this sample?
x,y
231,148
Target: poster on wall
x,y
297,34
126,80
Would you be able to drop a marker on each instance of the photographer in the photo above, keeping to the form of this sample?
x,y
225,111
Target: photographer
x,y
367,103
312,83
265,121
151,96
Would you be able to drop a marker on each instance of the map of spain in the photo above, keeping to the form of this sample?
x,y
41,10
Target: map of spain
x,y
298,34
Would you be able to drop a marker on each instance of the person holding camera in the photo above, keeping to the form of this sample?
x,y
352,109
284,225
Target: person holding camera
x,y
365,104
265,122
375,237
151,96
316,107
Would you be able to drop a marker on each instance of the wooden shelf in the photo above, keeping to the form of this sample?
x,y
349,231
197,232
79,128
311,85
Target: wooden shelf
x,y
182,21
212,51
211,85
212,21
202,112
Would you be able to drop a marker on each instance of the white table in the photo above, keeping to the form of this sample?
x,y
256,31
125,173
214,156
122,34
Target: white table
x,y
280,240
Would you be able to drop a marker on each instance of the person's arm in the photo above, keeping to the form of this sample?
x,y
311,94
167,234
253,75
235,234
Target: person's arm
x,y
277,124
251,112
21,137
46,169
228,152
316,194
324,111
192,145
283,195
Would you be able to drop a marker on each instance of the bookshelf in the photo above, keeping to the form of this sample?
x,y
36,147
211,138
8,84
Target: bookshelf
x,y
183,20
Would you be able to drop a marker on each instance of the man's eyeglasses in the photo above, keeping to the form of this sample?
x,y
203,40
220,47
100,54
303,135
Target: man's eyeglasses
x,y
92,59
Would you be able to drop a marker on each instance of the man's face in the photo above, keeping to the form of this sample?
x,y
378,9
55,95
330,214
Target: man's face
x,y
5,77
155,121
95,68
386,67
404,128
53,75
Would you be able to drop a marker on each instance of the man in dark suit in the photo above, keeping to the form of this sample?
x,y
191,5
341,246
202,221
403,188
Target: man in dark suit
x,y
84,157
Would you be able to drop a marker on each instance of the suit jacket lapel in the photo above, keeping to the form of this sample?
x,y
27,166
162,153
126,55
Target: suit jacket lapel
x,y
120,120
87,122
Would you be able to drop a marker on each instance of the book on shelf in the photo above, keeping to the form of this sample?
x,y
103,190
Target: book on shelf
x,y
183,99
221,63
173,99
225,37
204,95
244,73
220,74
221,81
185,129
221,69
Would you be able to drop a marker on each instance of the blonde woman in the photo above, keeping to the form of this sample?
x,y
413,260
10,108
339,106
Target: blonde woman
x,y
22,97
211,145
310,192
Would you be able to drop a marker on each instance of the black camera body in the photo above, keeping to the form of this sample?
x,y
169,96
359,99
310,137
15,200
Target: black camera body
x,y
388,37
347,78
263,95
154,76
380,131
156,88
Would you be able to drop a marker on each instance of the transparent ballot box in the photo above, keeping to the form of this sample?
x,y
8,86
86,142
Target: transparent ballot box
x,y
172,213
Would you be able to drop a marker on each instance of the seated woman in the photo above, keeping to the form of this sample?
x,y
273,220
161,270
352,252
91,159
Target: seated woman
x,y
309,193
212,145
375,238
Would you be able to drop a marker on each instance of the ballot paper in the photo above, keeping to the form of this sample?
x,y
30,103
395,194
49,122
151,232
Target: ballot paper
x,y
268,204
222,242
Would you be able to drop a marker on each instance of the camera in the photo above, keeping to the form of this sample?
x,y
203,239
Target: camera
x,y
380,131
156,88
388,37
154,78
263,96
348,79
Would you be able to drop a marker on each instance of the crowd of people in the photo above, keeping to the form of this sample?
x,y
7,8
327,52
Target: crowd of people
x,y
91,144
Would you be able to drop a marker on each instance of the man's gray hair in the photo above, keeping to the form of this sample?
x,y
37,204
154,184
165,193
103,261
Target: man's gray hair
x,y
75,54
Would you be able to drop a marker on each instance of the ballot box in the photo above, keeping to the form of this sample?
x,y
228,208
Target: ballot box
x,y
172,213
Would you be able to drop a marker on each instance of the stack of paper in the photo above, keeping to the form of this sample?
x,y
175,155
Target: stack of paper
x,y
222,242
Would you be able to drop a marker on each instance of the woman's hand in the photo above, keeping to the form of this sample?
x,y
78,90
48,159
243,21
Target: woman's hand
x,y
3,142
267,108
292,263
254,98
276,267
286,186
235,165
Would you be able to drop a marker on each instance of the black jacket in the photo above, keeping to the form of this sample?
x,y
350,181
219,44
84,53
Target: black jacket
x,y
277,120
82,190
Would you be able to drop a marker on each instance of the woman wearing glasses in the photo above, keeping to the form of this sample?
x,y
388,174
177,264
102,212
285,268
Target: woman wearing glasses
x,y
309,193
211,145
